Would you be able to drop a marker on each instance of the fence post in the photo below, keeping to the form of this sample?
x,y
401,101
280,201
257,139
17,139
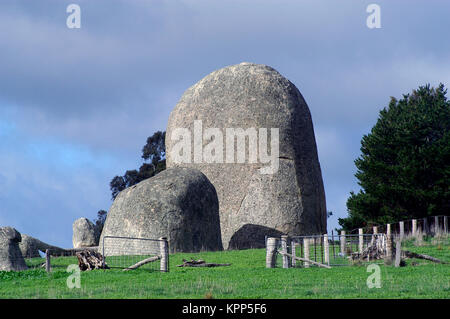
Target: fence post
x,y
374,234
164,251
414,227
445,224
306,251
388,248
402,229
361,240
271,252
388,242
293,253
426,229
398,252
343,242
285,250
326,249
436,224
47,261
333,244
103,253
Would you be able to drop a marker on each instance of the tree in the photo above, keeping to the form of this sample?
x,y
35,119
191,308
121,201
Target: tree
x,y
100,221
404,168
155,148
117,184
153,151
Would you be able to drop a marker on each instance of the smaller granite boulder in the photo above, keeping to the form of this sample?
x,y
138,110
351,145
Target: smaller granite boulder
x,y
10,255
178,203
29,247
84,233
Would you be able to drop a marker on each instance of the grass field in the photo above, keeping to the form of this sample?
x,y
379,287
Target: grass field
x,y
247,277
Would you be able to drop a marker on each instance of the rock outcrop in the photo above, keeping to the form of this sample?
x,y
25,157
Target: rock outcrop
x,y
276,188
11,258
84,233
179,204
30,247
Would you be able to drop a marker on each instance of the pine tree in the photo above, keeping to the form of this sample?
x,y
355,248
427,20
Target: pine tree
x,y
404,168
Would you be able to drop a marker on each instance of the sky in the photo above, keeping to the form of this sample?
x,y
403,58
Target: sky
x,y
76,105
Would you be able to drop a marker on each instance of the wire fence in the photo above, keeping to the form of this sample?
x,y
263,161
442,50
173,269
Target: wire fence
x,y
317,250
125,252
330,250
347,248
114,253
17,260
52,257
431,225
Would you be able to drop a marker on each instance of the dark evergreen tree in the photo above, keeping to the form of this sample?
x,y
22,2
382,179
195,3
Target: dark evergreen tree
x,y
153,151
100,221
155,148
404,168
117,184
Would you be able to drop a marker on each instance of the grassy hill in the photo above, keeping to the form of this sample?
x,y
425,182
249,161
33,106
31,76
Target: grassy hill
x,y
247,277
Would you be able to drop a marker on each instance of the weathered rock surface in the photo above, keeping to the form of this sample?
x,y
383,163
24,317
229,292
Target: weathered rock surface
x,y
179,203
30,247
11,258
290,201
84,233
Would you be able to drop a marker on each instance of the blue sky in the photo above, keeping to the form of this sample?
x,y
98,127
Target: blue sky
x,y
76,105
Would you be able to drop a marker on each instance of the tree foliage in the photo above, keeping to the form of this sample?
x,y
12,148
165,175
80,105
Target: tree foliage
x,y
404,168
154,152
155,148
100,221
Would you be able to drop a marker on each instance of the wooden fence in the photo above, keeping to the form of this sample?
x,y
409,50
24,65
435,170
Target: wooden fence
x,y
330,250
432,225
321,250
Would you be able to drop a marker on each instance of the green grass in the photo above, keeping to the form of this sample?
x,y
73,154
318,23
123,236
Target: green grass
x,y
247,277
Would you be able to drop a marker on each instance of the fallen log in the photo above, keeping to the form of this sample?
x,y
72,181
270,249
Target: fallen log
x,y
199,263
142,263
306,260
410,254
376,249
88,260
73,251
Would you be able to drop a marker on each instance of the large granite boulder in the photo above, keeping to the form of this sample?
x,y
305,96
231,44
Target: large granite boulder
x,y
84,233
275,189
11,258
179,204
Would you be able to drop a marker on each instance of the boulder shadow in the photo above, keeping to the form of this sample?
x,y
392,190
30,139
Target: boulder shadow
x,y
252,236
